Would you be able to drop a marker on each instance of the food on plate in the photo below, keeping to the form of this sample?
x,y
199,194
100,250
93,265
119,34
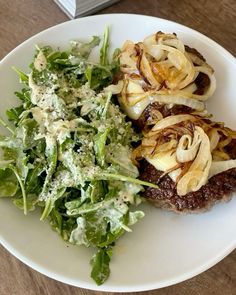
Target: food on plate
x,y
192,160
69,152
164,71
162,87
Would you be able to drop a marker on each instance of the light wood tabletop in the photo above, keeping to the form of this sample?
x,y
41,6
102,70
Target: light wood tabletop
x,y
19,20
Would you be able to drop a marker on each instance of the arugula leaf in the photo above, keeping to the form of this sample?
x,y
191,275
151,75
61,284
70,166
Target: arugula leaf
x,y
27,131
106,106
23,77
13,151
99,146
110,176
31,202
135,217
14,114
60,222
100,265
70,153
56,220
33,183
50,200
78,235
8,183
24,95
104,50
72,161
98,76
103,222
6,126
97,191
88,75
22,188
84,49
120,155
51,153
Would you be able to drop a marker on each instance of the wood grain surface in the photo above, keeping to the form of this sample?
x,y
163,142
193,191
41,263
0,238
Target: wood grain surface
x,y
20,19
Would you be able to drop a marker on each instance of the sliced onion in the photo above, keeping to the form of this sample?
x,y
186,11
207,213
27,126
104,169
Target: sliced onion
x,y
148,46
163,161
162,62
127,60
191,103
127,63
149,142
214,138
190,88
175,43
158,54
150,40
166,147
221,166
134,110
212,87
134,88
171,120
195,59
174,175
133,106
197,174
147,71
178,59
219,155
188,147
155,116
225,142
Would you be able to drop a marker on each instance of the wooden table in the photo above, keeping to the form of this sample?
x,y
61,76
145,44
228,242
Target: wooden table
x,y
20,19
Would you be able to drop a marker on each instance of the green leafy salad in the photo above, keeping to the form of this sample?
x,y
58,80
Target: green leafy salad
x,y
69,152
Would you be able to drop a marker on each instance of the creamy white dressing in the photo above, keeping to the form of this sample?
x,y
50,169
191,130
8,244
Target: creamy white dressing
x,y
40,62
46,98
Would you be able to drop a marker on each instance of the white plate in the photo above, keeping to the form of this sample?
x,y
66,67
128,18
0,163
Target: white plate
x,y
164,248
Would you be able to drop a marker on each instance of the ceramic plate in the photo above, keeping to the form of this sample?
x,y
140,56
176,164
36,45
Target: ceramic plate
x,y
164,248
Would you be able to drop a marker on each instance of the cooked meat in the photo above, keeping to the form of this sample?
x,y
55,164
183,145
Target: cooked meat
x,y
195,52
202,81
219,188
231,149
163,109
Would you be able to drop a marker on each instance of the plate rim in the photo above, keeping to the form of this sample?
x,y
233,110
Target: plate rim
x,y
125,288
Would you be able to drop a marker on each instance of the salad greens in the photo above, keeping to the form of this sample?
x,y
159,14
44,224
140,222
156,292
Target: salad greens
x,y
69,152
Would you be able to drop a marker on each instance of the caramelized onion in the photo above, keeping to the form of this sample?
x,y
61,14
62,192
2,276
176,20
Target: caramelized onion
x,y
171,120
197,175
220,166
168,73
190,149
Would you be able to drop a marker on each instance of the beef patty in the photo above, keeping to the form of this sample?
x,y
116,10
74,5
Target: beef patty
x,y
146,115
219,188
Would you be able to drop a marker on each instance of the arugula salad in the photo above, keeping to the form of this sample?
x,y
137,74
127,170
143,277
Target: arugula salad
x,y
69,152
